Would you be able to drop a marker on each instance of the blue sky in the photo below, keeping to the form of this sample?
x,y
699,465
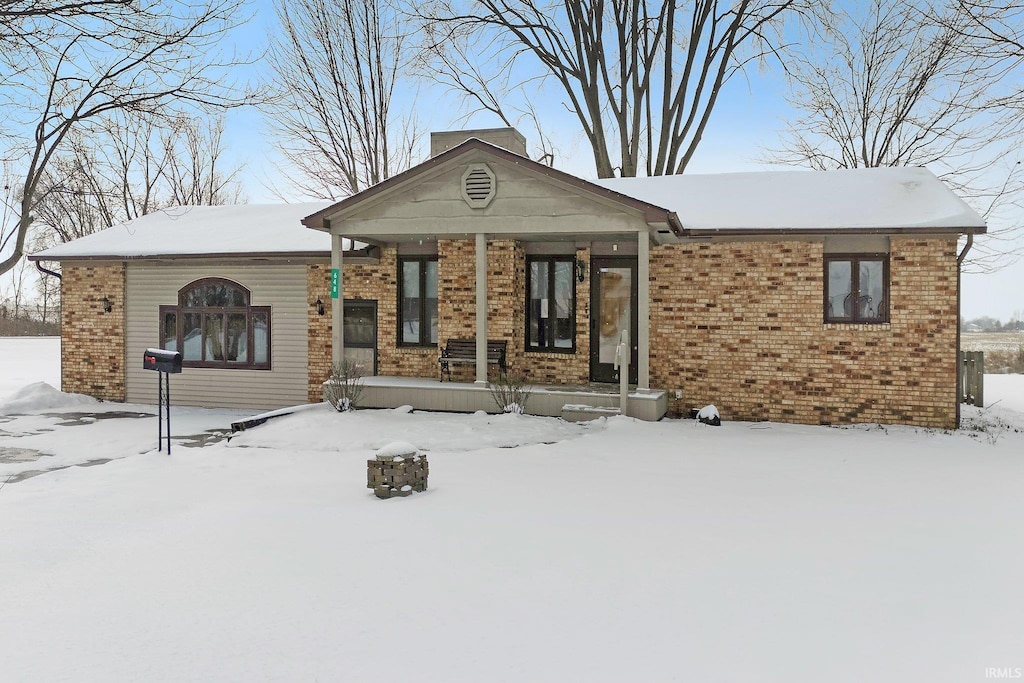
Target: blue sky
x,y
747,119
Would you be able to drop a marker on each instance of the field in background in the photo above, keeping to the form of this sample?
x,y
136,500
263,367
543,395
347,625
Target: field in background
x,y
1004,351
991,341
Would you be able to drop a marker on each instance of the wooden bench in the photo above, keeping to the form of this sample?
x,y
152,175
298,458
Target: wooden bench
x,y
464,351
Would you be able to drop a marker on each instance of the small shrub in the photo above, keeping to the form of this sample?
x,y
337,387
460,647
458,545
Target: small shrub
x,y
1005,361
344,387
510,393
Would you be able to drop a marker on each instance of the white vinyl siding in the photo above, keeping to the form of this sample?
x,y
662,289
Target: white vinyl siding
x,y
282,287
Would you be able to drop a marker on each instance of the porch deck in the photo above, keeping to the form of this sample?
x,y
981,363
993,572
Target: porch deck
x,y
431,394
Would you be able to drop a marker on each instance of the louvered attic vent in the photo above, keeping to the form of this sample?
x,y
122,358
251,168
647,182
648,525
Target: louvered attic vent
x,y
478,185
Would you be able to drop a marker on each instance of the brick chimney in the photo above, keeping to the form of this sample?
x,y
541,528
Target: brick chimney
x,y
509,138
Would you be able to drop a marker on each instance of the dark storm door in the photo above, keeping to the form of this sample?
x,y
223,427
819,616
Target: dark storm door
x,y
361,334
613,307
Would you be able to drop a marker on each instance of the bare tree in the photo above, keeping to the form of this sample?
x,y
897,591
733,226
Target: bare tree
x,y
18,286
47,286
197,173
18,18
641,77
994,26
483,84
126,167
143,58
905,83
337,65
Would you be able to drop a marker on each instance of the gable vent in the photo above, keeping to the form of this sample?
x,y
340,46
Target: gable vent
x,y
478,185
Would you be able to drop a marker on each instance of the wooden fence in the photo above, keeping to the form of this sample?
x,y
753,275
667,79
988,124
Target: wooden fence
x,y
972,377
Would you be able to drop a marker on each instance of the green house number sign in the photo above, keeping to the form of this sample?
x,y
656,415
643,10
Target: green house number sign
x,y
334,283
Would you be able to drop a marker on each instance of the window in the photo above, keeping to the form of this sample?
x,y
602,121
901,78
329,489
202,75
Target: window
x,y
550,304
417,301
213,326
857,288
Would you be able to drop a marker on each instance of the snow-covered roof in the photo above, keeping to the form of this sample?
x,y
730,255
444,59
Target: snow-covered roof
x,y
203,231
872,200
869,199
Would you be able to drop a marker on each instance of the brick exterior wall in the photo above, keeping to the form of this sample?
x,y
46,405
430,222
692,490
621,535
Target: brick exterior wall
x,y
506,277
736,324
92,341
740,325
375,282
506,311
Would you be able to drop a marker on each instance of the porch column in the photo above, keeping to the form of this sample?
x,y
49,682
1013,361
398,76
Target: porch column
x,y
481,308
643,277
337,303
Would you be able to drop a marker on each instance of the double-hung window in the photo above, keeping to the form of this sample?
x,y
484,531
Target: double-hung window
x,y
550,304
417,301
857,288
214,325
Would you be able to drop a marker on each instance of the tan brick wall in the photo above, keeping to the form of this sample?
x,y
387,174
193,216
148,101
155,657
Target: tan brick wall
x,y
740,325
92,341
506,277
375,282
506,311
318,354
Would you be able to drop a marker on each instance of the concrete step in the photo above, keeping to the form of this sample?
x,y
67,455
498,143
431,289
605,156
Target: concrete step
x,y
578,412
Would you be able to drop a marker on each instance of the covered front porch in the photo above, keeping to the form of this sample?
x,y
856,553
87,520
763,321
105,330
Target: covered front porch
x,y
480,246
569,402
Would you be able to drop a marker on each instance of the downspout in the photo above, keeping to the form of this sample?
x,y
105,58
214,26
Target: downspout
x,y
959,370
47,271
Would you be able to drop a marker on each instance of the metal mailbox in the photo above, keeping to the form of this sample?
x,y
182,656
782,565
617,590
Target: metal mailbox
x,y
161,360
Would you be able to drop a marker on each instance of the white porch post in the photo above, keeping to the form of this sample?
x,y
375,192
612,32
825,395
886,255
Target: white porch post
x,y
643,276
337,304
481,308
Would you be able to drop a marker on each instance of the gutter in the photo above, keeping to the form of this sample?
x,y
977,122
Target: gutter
x,y
370,252
767,232
959,370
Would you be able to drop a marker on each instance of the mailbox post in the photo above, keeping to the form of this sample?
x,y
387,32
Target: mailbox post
x,y
164,363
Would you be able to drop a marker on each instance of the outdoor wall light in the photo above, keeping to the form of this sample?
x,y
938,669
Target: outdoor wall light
x,y
319,306
108,305
581,270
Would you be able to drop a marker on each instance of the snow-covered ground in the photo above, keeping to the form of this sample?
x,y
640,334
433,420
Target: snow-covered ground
x,y
542,551
24,360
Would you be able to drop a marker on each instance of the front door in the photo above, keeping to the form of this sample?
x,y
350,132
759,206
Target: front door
x,y
613,308
360,329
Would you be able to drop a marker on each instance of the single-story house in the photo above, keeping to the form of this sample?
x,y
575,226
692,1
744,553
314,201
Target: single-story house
x,y
815,297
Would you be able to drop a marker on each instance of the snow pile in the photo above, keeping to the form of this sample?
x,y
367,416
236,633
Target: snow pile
x,y
323,429
396,449
709,415
24,360
42,396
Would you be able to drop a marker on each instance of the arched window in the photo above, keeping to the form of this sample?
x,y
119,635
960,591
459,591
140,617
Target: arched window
x,y
214,326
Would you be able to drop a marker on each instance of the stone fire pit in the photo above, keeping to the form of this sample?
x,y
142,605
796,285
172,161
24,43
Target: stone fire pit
x,y
397,469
